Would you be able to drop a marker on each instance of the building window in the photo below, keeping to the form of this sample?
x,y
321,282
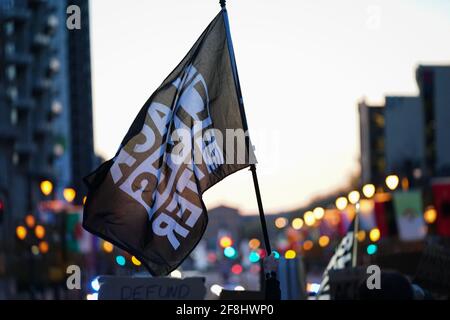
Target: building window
x,y
380,144
379,120
15,158
14,116
11,72
9,28
54,65
12,93
56,107
10,48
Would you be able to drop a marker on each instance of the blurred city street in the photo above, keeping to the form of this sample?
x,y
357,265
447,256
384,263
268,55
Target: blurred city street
x,y
351,121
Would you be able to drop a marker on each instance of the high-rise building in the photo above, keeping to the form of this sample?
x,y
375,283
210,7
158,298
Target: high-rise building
x,y
434,84
45,102
409,136
33,103
404,136
372,144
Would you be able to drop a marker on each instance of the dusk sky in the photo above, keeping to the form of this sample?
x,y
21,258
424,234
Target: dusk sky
x,y
304,65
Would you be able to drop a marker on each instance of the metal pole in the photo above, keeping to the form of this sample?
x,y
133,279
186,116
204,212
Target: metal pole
x,y
355,236
245,126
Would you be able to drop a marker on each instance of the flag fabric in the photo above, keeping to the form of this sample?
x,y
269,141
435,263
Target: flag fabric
x,y
409,214
441,197
147,200
385,215
380,217
341,259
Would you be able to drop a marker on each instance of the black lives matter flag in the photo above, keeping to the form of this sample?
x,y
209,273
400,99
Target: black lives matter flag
x,y
188,136
341,259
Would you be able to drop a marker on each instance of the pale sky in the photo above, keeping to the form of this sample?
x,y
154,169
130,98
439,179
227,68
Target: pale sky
x,y
303,66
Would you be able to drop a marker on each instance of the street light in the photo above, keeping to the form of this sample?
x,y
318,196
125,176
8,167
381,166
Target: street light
x,y
280,222
309,218
319,212
341,203
43,246
368,190
69,194
430,215
21,232
39,231
297,223
354,197
46,187
30,221
392,181
324,241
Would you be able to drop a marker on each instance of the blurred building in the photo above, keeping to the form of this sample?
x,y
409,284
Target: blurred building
x,y
434,84
45,102
408,136
83,158
404,138
223,221
372,144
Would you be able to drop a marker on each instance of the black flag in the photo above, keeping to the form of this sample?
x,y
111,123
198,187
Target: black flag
x,y
341,259
188,136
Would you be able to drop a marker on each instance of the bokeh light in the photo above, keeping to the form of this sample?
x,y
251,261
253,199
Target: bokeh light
x,y
309,218
35,250
341,203
95,285
230,252
69,194
319,212
254,244
225,242
30,221
354,197
176,274
135,261
392,181
107,247
297,223
324,241
372,249
21,232
374,235
280,222
307,245
430,215
290,254
46,187
236,269
253,257
120,260
43,247
368,190
39,231
361,235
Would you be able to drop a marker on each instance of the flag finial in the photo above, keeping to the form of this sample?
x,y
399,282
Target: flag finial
x,y
222,3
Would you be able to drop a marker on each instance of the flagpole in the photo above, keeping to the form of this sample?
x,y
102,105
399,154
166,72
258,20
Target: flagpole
x,y
355,235
245,127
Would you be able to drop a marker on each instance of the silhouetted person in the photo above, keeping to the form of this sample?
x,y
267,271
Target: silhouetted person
x,y
394,286
272,285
